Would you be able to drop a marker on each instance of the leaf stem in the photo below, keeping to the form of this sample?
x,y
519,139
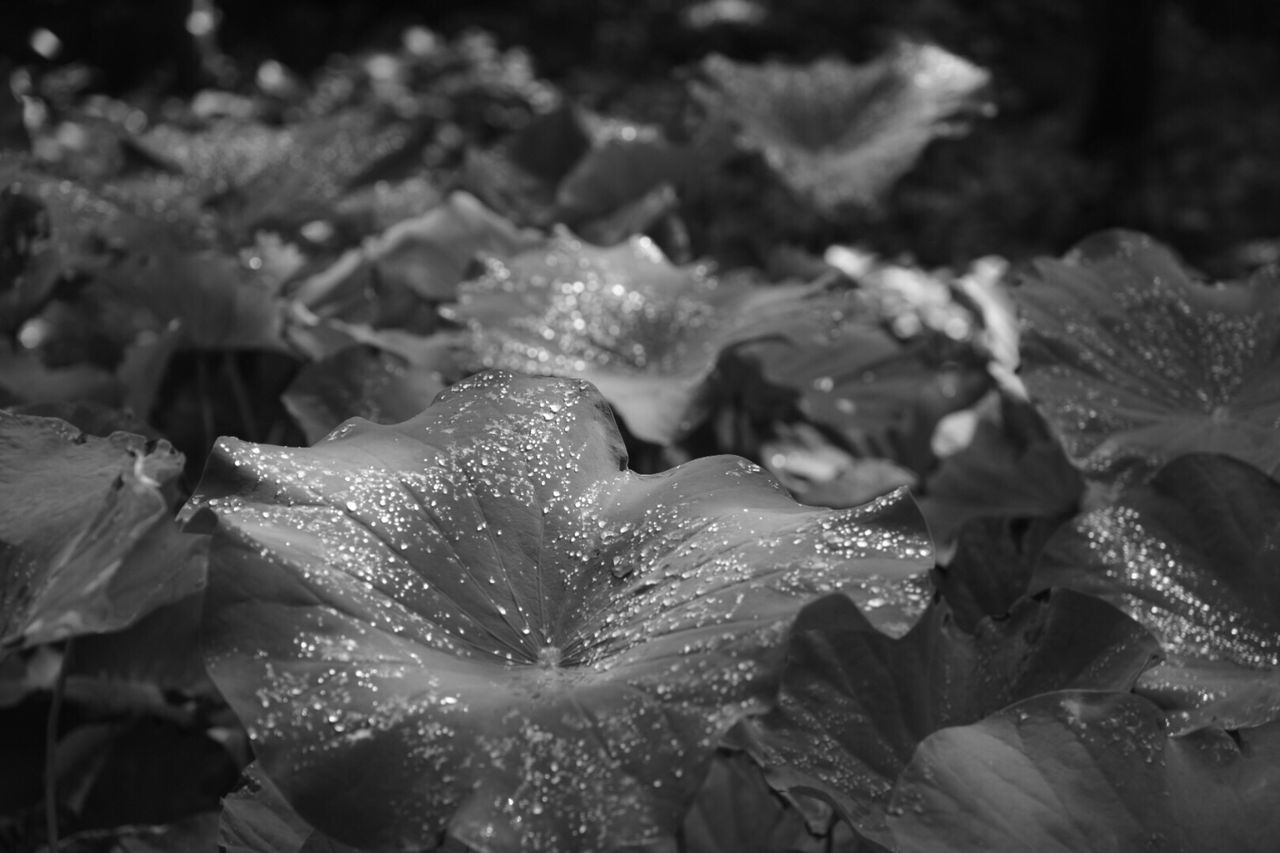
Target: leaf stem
x,y
241,396
50,750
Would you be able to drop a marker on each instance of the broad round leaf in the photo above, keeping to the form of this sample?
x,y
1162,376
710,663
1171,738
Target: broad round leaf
x,y
647,333
1195,556
1129,357
86,543
854,703
1075,771
499,631
844,133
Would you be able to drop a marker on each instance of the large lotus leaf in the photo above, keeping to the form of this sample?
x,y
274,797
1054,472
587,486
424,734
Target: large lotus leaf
x,y
479,623
1196,692
1195,555
358,382
855,703
1130,358
844,133
86,543
1075,771
647,333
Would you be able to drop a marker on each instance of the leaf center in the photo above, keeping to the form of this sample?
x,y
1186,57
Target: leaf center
x,y
549,657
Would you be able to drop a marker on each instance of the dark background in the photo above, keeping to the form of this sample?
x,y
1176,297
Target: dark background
x,y
1152,114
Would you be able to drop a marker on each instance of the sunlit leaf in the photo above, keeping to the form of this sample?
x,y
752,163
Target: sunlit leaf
x,y
854,703
358,382
844,133
1195,556
1088,771
1131,358
86,541
647,333
499,631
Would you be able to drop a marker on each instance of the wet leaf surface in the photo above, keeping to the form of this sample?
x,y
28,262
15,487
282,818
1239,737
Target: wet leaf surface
x,y
646,332
500,632
1195,556
1088,771
843,133
1131,358
854,703
86,540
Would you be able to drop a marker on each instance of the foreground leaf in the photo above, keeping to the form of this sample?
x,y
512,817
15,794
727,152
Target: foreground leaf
x,y
844,133
1088,771
1130,358
504,635
854,703
86,544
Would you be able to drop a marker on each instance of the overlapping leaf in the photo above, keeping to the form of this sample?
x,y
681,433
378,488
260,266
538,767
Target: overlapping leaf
x,y
1195,556
645,332
1076,771
844,133
86,542
1131,359
854,703
501,633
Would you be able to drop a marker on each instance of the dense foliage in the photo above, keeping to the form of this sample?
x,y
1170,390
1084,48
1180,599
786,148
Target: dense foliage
x,y
421,454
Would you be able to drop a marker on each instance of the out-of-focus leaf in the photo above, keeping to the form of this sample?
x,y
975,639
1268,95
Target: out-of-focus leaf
x,y
26,279
358,382
1130,358
854,703
843,133
85,538
573,168
853,377
1088,771
1195,556
819,473
645,332
499,631
429,254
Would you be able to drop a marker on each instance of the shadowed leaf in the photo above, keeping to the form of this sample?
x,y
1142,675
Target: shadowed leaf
x,y
1076,771
854,703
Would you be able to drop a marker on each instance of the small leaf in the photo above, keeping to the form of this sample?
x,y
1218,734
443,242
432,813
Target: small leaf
x,y
497,632
1075,771
844,133
1131,359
